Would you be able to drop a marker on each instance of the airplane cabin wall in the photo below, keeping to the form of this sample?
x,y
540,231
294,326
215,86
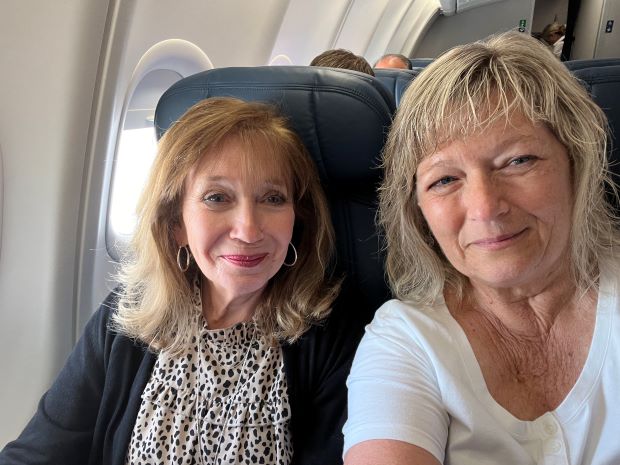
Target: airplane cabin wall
x,y
366,28
49,61
471,25
591,40
400,28
549,11
608,43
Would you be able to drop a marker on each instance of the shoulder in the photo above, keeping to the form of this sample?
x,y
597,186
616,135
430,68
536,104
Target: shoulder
x,y
101,321
100,333
402,316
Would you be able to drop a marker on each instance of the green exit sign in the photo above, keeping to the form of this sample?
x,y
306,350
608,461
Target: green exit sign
x,y
522,23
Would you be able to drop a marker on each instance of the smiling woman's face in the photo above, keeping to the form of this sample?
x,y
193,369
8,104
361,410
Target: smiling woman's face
x,y
237,217
499,204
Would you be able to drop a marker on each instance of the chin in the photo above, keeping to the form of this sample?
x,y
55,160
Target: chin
x,y
509,275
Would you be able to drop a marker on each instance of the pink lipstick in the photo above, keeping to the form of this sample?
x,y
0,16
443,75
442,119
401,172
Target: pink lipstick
x,y
246,261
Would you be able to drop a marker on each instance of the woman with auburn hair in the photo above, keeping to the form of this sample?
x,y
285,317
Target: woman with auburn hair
x,y
503,345
198,356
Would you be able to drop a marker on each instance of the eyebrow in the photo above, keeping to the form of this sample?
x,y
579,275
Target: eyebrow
x,y
273,182
438,161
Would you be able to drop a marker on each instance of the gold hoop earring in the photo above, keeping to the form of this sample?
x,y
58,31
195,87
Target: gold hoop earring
x,y
294,253
188,254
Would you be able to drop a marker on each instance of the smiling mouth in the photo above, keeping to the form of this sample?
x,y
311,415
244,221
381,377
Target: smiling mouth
x,y
498,242
246,261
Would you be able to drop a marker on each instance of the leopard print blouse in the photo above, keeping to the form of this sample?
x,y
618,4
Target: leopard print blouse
x,y
224,401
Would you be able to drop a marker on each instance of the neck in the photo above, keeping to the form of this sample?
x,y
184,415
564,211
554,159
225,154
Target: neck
x,y
221,310
531,311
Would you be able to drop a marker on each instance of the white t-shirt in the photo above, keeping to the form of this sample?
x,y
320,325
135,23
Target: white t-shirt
x,y
415,378
558,46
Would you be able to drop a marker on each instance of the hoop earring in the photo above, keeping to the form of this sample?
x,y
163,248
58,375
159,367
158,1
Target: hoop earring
x,y
294,253
188,254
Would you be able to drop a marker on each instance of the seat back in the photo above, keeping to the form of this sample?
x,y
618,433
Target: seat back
x,y
342,118
603,84
420,62
574,65
396,80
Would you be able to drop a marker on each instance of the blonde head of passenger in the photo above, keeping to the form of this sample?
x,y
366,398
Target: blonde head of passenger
x,y
552,32
156,295
462,93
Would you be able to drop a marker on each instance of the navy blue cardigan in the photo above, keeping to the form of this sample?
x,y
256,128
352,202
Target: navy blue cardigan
x,y
88,414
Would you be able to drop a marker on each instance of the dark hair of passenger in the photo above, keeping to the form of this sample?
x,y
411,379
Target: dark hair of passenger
x,y
344,59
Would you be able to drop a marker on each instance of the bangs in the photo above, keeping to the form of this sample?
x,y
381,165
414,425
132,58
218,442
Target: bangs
x,y
263,158
473,87
475,104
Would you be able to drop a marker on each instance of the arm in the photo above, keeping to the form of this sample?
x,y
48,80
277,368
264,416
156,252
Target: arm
x,y
62,428
388,452
396,411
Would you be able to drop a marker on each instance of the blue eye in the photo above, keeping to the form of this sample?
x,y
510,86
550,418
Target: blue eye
x,y
446,180
521,160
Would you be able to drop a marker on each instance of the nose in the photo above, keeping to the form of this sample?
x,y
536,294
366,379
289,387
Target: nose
x,y
484,198
246,223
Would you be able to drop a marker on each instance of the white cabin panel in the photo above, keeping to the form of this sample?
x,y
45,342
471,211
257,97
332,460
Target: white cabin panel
x,y
308,29
388,25
359,26
474,24
586,30
415,24
608,43
49,61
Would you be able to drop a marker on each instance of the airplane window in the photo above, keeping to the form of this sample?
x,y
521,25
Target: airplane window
x,y
135,154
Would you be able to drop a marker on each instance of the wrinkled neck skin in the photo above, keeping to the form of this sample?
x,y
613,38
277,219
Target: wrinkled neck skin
x,y
530,311
531,343
221,310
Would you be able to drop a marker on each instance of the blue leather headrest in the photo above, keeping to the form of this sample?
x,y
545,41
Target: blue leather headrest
x,y
603,84
396,80
420,62
339,114
574,65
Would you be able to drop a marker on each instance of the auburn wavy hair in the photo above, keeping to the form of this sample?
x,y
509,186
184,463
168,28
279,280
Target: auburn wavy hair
x,y
155,304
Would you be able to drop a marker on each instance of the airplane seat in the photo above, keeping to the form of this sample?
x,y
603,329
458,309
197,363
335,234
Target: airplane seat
x,y
603,84
420,62
574,65
342,118
396,80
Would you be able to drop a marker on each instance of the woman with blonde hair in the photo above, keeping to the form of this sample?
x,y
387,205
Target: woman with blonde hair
x,y
198,357
553,34
504,343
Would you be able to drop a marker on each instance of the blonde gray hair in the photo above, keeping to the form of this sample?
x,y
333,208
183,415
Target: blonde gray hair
x,y
463,92
155,304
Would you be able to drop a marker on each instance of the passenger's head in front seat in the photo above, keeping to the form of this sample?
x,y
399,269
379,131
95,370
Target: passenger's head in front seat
x,y
344,59
393,61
